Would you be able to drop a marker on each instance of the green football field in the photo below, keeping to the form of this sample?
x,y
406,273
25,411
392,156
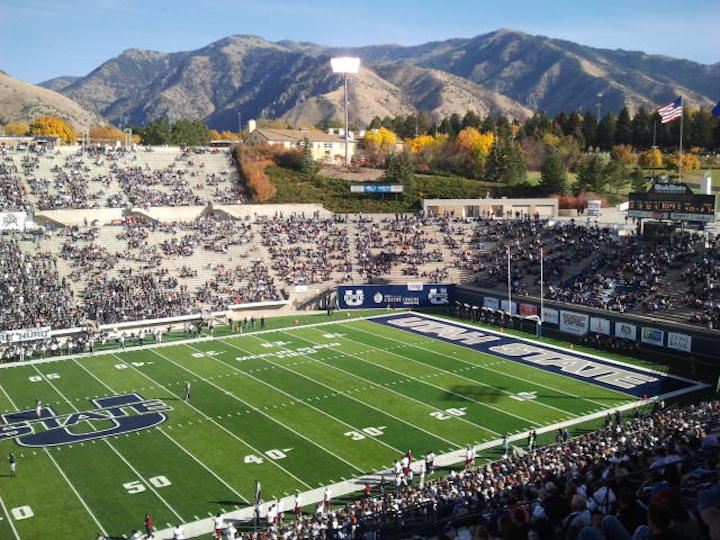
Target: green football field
x,y
296,409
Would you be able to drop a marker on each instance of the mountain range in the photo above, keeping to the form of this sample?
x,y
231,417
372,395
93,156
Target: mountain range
x,y
502,72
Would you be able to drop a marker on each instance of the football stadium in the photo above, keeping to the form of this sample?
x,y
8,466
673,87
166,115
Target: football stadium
x,y
264,290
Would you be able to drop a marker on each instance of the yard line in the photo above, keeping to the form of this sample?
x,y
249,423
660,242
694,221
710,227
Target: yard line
x,y
373,383
233,435
10,521
62,473
113,448
405,375
513,376
343,393
563,411
260,411
171,439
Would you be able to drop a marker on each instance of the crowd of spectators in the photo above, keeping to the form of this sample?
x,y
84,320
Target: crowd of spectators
x,y
651,477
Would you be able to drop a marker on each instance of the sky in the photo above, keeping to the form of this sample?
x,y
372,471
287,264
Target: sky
x,y
42,39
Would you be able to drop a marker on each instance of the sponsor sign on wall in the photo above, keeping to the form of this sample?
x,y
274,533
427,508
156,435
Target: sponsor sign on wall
x,y
574,323
551,316
491,303
680,342
399,296
27,334
511,308
599,325
625,330
652,336
528,310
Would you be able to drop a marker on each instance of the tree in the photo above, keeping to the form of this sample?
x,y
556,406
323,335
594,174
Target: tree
x,y
417,144
637,179
589,128
651,159
52,126
616,176
400,168
641,129
623,128
472,120
605,135
475,142
624,153
591,174
16,129
380,140
505,163
106,133
375,124
189,132
308,165
156,132
552,174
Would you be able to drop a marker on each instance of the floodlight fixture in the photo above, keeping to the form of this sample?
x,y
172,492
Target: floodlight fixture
x,y
345,64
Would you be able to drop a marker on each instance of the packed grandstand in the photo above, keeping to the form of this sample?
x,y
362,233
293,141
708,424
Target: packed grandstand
x,y
165,235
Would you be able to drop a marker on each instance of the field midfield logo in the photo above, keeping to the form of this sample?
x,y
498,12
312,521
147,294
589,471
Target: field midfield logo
x,y
126,412
438,296
354,298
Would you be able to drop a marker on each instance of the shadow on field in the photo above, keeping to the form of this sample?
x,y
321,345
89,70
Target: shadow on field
x,y
239,504
481,393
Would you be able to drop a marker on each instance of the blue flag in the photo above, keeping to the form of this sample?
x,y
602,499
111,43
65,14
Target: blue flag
x,y
716,109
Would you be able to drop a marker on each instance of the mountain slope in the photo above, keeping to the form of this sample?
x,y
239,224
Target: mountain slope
x,y
503,72
23,102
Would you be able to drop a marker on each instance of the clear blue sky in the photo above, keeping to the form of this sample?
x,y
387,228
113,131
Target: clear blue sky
x,y
41,39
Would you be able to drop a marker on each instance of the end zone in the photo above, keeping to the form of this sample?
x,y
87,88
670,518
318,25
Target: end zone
x,y
622,377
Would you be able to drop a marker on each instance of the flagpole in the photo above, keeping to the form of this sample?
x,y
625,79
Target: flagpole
x,y
682,116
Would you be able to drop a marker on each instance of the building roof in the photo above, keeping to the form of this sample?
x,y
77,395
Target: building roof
x,y
297,135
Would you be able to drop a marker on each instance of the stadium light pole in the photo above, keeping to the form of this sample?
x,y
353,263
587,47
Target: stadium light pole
x,y
345,65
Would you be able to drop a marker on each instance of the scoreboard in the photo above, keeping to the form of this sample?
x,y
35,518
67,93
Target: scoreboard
x,y
672,201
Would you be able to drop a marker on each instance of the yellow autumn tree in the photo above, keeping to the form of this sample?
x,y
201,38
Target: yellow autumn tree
x,y
690,162
650,159
52,126
106,133
16,129
475,141
417,144
624,153
380,140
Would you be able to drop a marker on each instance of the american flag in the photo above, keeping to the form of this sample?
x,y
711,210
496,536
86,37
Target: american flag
x,y
671,111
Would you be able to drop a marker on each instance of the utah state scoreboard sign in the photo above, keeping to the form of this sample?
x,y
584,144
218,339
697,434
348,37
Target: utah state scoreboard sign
x,y
412,295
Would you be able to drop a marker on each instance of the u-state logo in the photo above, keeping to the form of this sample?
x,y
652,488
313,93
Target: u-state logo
x,y
124,413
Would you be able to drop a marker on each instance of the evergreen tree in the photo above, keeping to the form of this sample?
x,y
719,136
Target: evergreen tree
x,y
375,123
623,128
471,120
641,129
156,132
591,174
505,163
400,168
637,179
307,163
589,129
552,174
488,124
605,135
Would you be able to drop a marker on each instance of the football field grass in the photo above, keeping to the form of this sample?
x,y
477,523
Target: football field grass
x,y
297,409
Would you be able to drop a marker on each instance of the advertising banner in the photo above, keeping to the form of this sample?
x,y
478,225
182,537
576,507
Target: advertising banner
x,y
626,331
26,334
574,323
550,316
491,303
528,310
600,326
396,296
652,336
680,342
512,308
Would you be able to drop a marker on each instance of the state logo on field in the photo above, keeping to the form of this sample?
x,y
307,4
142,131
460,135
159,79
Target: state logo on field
x,y
118,414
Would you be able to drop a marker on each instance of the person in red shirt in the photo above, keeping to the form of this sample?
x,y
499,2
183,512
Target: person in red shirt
x,y
149,525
